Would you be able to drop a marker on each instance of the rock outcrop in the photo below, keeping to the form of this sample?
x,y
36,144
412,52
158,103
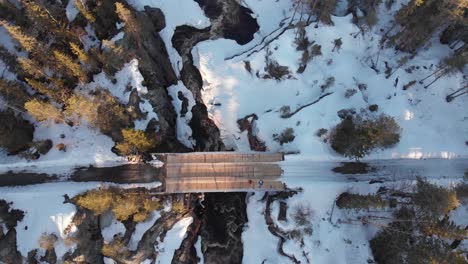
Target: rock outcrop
x,y
222,225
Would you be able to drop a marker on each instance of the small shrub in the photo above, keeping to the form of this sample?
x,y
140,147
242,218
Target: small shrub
x,y
247,66
136,141
286,136
61,147
47,241
308,230
276,71
115,249
329,82
42,111
337,44
178,206
141,216
302,215
350,92
96,201
295,234
124,205
373,108
321,132
355,137
434,201
408,85
285,111
315,50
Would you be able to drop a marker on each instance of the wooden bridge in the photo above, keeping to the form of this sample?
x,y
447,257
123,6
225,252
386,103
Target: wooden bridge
x,y
220,172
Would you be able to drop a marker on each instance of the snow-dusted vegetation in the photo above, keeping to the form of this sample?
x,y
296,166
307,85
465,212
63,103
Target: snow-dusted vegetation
x,y
93,90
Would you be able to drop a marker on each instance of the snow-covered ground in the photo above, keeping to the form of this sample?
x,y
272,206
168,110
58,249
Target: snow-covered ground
x,y
336,238
173,240
45,211
431,127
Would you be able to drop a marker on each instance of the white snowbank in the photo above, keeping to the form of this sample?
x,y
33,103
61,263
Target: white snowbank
x,y
141,228
259,243
198,248
173,240
184,132
116,227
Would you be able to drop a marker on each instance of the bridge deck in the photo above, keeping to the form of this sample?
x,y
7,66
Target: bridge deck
x,y
221,172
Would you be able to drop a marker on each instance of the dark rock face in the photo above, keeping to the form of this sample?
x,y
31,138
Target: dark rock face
x,y
237,21
282,214
156,68
229,20
186,253
105,18
8,247
50,256
89,239
222,226
16,134
133,105
8,251
185,103
242,31
204,130
157,17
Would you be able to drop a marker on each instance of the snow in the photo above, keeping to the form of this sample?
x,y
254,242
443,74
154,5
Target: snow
x,y
141,228
116,227
128,75
45,211
259,243
460,215
173,240
198,248
172,11
71,11
337,237
328,243
108,261
423,114
90,39
4,229
131,76
184,132
84,146
8,43
5,72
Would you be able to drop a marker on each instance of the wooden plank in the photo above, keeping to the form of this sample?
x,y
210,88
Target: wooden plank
x,y
220,157
223,169
180,187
